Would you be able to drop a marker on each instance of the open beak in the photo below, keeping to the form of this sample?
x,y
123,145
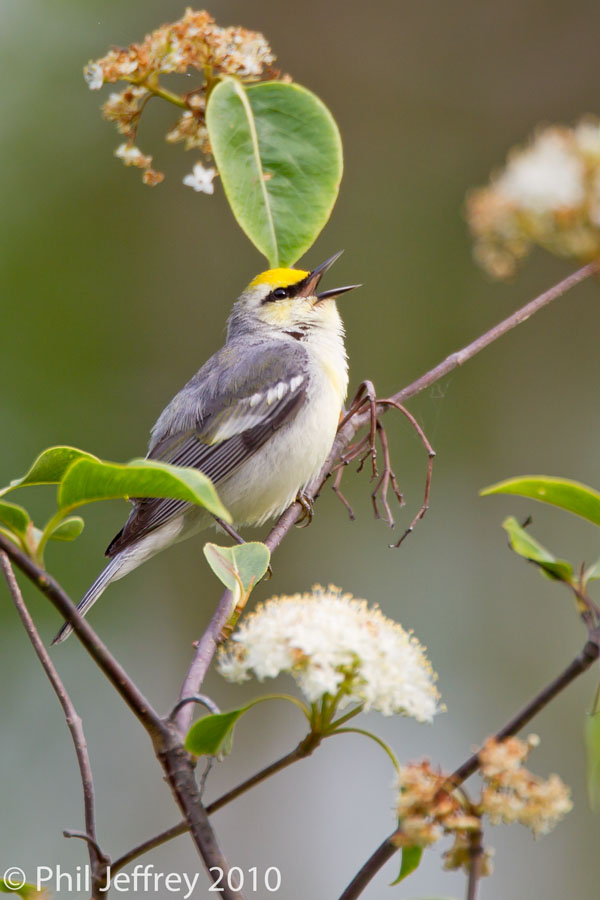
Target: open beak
x,y
315,276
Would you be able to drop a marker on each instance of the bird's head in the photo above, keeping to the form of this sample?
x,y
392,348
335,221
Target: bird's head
x,y
287,302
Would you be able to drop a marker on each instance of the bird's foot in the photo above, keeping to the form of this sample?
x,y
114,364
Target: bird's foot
x,y
308,504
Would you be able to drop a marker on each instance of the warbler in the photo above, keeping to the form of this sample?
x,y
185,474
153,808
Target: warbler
x,y
259,418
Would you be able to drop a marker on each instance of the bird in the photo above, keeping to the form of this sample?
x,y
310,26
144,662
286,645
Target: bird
x,y
259,418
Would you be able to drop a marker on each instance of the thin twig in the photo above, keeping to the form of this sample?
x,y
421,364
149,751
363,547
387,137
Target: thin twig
x,y
98,860
517,318
384,852
304,749
205,650
582,662
430,457
151,844
476,863
202,699
82,836
166,740
112,669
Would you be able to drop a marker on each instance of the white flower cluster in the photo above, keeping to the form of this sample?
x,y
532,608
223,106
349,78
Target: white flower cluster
x,y
545,177
331,643
547,194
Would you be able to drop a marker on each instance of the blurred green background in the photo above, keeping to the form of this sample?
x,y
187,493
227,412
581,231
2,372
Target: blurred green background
x,y
114,294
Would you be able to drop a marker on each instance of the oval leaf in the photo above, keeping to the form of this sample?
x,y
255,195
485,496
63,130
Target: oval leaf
x,y
526,546
411,857
49,467
14,518
239,568
213,733
279,155
570,495
88,480
68,530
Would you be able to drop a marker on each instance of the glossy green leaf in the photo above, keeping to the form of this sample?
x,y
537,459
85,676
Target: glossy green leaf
x,y
68,530
592,746
88,480
570,495
411,857
525,545
213,734
14,518
279,155
49,467
240,567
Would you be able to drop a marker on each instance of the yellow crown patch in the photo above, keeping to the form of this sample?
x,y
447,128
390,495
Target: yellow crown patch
x,y
279,277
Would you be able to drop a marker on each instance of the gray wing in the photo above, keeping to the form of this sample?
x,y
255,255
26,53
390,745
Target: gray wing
x,y
221,418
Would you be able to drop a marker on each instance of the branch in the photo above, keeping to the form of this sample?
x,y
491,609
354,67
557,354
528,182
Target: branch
x,y
205,650
582,662
521,315
98,861
112,669
168,748
207,646
180,773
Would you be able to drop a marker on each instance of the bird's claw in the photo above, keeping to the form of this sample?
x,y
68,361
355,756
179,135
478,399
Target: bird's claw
x,y
307,503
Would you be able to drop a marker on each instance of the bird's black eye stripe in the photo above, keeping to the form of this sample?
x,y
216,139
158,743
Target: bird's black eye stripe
x,y
277,294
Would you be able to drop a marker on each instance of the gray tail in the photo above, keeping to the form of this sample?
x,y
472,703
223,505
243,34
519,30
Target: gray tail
x,y
86,603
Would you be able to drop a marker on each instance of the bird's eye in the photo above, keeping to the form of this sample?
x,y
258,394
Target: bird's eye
x,y
280,294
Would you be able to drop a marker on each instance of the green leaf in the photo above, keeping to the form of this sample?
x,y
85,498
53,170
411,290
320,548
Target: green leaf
x,y
14,518
25,891
592,573
411,857
240,567
592,746
279,155
68,530
570,495
88,480
525,545
213,733
49,467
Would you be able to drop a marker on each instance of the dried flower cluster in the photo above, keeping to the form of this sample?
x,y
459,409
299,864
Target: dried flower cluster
x,y
335,646
193,42
428,809
513,794
548,194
